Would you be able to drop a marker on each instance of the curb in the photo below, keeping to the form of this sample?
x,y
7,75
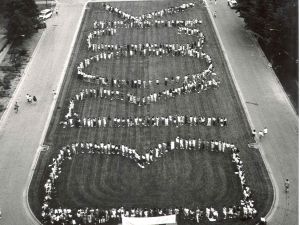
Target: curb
x,y
242,100
4,46
36,157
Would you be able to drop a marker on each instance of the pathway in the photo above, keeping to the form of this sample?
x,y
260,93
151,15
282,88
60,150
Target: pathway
x,y
20,134
257,83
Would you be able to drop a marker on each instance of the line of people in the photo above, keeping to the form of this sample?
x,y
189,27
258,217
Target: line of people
x,y
102,25
100,93
150,49
159,50
139,83
110,28
195,86
152,154
160,13
112,31
244,210
148,121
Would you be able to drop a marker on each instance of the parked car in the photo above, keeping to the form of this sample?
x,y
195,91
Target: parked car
x,y
45,14
232,3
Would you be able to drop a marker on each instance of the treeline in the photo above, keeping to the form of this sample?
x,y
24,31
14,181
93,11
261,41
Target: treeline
x,y
275,23
21,16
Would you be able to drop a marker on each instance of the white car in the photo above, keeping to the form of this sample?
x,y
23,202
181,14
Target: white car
x,y
232,3
45,14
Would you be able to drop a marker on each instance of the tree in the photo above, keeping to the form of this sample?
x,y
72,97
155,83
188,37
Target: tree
x,y
275,22
22,18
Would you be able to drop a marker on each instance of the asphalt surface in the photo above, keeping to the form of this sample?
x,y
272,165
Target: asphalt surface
x,y
20,133
265,102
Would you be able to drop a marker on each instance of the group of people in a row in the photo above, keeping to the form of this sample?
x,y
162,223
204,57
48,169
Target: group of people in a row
x,y
148,121
96,216
110,28
145,49
102,25
245,209
112,31
151,154
160,13
191,87
196,86
247,202
139,83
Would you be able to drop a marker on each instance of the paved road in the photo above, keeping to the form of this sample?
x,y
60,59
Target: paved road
x,y
20,134
258,84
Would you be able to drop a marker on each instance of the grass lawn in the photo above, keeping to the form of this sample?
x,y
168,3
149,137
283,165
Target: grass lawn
x,y
183,178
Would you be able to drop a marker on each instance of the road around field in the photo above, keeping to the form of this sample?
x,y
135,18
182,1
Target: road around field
x,y
21,134
266,104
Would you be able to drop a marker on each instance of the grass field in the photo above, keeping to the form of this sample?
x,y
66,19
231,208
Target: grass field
x,y
182,179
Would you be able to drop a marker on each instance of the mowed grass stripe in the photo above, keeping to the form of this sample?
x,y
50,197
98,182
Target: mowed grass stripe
x,y
166,170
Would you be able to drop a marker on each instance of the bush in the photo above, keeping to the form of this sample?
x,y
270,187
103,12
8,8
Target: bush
x,y
6,83
2,108
6,80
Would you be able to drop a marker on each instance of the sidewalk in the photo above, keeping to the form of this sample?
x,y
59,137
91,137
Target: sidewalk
x,y
20,134
257,83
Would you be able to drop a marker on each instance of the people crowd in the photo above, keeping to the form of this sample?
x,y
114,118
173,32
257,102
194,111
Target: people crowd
x,y
194,83
103,25
243,210
196,86
148,49
109,51
207,74
173,87
102,28
160,13
148,121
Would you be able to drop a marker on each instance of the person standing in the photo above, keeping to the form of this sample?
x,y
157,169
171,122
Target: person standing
x,y
260,134
265,131
27,97
53,93
30,99
287,185
16,107
254,134
34,99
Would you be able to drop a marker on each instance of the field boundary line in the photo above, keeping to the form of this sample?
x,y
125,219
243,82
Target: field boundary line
x,y
36,157
242,100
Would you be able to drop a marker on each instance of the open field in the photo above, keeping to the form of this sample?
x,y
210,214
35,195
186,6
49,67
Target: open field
x,y
190,179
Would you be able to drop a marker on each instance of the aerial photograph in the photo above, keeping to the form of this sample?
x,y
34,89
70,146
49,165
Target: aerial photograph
x,y
149,112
